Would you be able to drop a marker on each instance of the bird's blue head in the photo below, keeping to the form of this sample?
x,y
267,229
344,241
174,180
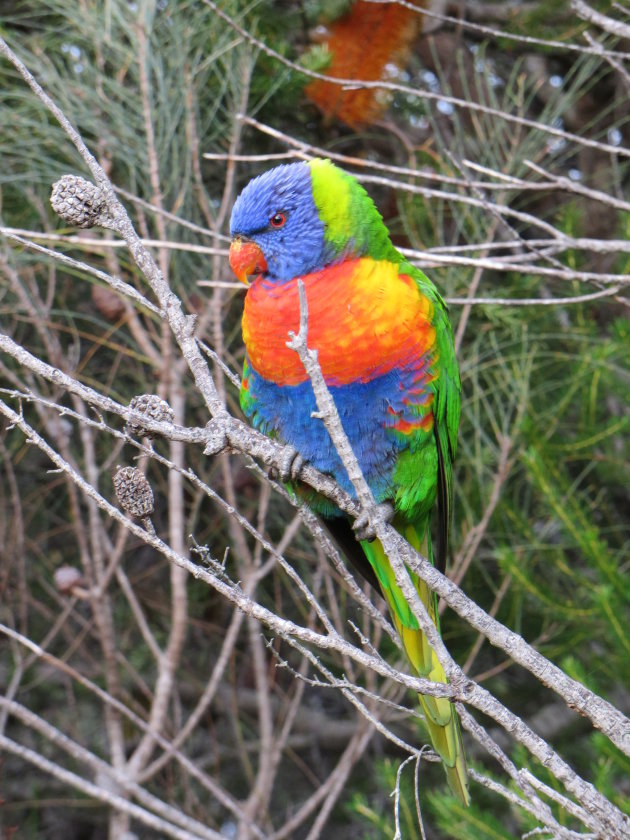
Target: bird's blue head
x,y
301,217
275,226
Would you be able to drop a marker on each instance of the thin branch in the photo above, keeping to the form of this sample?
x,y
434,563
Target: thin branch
x,y
101,794
608,24
116,283
601,812
101,769
99,244
517,37
610,720
208,783
423,93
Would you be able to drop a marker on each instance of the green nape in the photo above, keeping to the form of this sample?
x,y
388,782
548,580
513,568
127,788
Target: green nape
x,y
352,222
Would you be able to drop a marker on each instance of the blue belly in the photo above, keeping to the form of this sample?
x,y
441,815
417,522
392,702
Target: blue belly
x,y
367,410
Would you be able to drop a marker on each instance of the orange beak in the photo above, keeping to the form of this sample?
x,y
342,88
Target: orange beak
x,y
246,259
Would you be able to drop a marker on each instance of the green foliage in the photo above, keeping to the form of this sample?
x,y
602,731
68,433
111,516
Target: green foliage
x,y
478,821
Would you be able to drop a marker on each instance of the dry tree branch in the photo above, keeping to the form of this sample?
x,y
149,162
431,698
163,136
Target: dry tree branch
x,y
232,591
612,722
116,283
97,244
553,828
557,243
102,770
100,792
426,94
500,181
207,782
396,795
534,804
280,626
517,37
431,257
602,814
608,24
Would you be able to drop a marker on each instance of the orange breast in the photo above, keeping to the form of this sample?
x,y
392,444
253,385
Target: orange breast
x,y
364,320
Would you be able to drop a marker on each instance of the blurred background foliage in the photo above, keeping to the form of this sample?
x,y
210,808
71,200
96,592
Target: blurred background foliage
x,y
541,531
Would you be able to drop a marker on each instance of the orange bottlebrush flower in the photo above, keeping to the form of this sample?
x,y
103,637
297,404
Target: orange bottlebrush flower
x,y
362,43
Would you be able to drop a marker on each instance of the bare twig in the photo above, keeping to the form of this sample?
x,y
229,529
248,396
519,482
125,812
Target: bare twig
x,y
608,24
101,793
417,93
601,813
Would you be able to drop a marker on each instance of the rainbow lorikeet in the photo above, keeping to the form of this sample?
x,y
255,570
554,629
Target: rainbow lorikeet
x,y
385,347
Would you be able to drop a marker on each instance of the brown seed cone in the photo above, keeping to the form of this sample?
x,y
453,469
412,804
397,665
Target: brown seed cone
x,y
133,491
79,202
154,408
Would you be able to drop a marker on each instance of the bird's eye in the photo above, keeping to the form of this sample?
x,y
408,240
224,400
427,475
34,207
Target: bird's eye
x,y
278,220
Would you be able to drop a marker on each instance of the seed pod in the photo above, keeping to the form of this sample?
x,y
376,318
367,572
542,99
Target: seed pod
x,y
80,203
154,408
133,491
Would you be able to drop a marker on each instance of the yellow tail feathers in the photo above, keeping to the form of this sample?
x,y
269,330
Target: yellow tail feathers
x,y
440,716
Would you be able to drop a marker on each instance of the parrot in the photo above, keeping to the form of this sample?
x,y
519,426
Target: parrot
x,y
385,348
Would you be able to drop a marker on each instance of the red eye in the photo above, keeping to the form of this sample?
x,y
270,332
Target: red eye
x,y
277,220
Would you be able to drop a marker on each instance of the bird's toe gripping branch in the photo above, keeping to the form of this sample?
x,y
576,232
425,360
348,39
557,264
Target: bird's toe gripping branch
x,y
290,466
364,525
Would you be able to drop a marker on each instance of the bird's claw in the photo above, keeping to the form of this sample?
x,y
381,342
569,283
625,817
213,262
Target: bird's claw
x,y
364,524
290,465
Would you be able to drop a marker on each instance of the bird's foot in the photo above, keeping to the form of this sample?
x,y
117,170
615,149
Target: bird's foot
x,y
290,465
365,524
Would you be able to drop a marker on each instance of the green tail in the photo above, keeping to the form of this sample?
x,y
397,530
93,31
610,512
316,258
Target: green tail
x,y
439,713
